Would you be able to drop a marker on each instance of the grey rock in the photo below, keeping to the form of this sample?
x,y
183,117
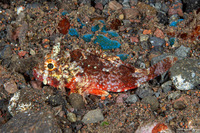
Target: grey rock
x,y
166,87
42,121
155,41
6,52
174,95
126,23
104,2
133,2
143,91
158,43
185,74
145,45
33,5
132,99
158,5
182,51
93,116
157,94
126,4
76,100
164,8
152,101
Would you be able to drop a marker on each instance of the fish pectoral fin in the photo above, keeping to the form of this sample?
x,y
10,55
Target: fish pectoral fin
x,y
98,92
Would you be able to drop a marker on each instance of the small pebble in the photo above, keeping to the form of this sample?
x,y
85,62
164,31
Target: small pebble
x,y
162,18
22,53
93,116
99,6
134,39
144,37
71,117
159,34
174,95
152,101
121,16
166,87
179,105
144,91
131,13
155,41
76,100
133,2
6,52
120,98
10,86
125,4
132,99
114,5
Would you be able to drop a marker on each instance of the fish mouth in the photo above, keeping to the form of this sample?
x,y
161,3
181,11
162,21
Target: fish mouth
x,y
38,74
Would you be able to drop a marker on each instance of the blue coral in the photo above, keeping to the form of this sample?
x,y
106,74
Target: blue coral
x,y
123,56
73,32
174,23
87,37
106,43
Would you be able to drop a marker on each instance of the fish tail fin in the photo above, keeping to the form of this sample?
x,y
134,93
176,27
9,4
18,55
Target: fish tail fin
x,y
161,67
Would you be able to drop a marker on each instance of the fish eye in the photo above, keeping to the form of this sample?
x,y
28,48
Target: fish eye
x,y
50,66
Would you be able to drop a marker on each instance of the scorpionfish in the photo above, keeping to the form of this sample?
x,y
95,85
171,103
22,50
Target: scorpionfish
x,y
91,72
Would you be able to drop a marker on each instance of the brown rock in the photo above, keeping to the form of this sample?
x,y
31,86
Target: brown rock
x,y
158,33
114,5
99,6
146,9
10,86
131,13
172,12
179,105
134,39
76,101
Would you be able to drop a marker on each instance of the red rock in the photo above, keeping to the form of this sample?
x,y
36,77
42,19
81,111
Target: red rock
x,y
158,33
131,13
22,53
10,86
120,98
134,39
114,5
63,26
115,24
99,6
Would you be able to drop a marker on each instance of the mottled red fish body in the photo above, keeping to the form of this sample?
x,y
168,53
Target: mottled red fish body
x,y
90,72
